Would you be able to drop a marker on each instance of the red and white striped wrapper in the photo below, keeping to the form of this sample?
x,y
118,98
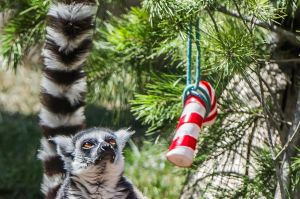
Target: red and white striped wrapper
x,y
182,149
212,116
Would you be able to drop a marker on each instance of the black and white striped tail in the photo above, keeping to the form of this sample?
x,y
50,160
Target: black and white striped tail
x,y
68,41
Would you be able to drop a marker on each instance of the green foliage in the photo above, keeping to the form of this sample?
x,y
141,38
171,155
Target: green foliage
x,y
162,96
222,52
179,12
262,185
296,170
262,9
119,60
153,174
23,31
125,52
264,181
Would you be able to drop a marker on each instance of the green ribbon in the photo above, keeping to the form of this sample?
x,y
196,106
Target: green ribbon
x,y
195,89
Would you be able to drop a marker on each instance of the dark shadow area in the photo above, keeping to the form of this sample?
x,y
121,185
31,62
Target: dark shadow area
x,y
102,117
20,170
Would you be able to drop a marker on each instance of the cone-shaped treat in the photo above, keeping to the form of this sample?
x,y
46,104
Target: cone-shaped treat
x,y
182,149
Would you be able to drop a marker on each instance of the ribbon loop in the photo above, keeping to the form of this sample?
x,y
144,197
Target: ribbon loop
x,y
195,89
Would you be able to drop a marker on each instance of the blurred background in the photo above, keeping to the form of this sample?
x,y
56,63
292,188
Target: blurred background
x,y
136,75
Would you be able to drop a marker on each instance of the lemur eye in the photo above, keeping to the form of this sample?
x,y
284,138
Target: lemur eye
x,y
112,142
88,145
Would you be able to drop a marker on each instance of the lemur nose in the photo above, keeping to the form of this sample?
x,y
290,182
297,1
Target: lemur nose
x,y
105,147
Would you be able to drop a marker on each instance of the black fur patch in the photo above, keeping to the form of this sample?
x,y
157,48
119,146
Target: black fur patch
x,y
61,130
70,28
51,194
63,77
127,187
59,105
69,58
54,165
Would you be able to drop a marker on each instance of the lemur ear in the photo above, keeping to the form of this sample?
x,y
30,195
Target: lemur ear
x,y
64,146
123,136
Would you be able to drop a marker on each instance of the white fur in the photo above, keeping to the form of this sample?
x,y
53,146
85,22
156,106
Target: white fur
x,y
53,120
50,182
65,43
123,136
73,11
72,92
110,179
47,151
52,62
69,12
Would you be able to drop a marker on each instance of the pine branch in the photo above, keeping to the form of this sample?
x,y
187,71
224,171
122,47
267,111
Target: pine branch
x,y
293,60
268,116
240,14
291,140
292,37
270,140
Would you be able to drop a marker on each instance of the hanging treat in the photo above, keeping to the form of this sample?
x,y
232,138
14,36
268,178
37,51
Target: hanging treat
x,y
199,109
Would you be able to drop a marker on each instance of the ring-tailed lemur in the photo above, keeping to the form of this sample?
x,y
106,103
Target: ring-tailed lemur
x,y
69,34
95,165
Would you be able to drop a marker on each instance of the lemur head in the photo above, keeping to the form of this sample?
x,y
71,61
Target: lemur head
x,y
92,148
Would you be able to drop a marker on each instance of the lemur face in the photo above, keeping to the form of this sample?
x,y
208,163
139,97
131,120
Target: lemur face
x,y
96,147
92,147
